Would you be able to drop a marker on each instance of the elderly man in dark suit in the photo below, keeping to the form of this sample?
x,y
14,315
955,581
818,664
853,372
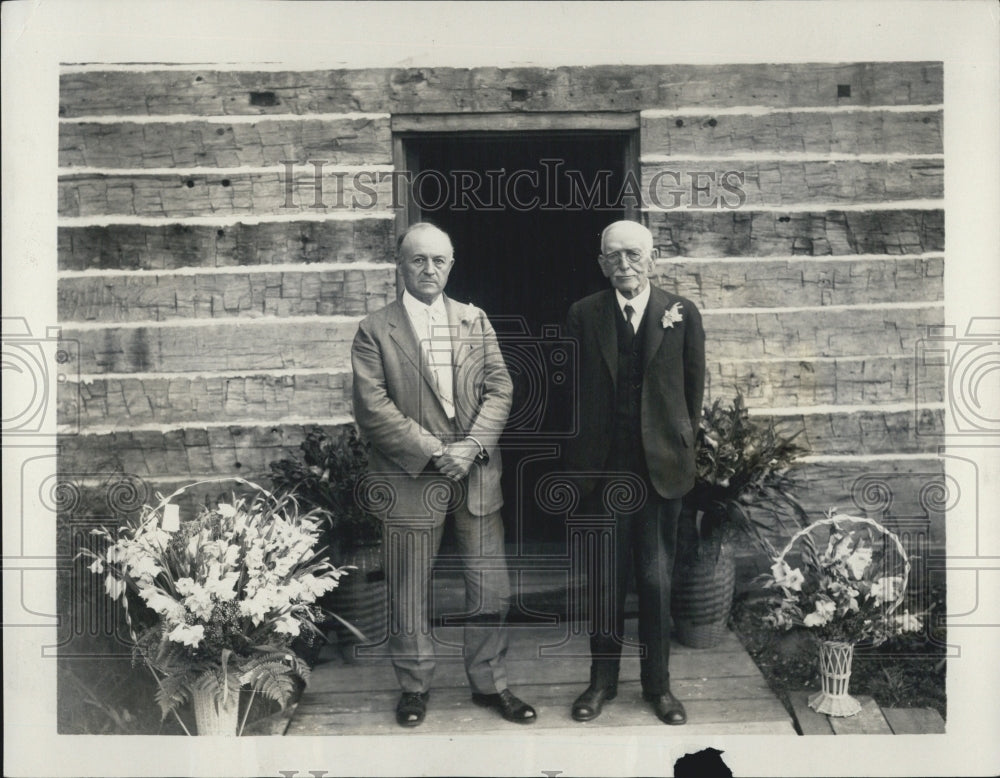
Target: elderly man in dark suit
x,y
432,395
640,387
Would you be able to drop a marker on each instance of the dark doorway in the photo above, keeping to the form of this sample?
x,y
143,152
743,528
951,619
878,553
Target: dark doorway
x,y
524,211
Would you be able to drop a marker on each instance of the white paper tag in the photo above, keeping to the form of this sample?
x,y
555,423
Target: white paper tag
x,y
171,518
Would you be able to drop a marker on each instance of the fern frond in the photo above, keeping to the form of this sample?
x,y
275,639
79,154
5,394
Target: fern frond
x,y
273,679
173,691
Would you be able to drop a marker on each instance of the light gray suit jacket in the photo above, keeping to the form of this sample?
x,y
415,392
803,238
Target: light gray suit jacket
x,y
399,412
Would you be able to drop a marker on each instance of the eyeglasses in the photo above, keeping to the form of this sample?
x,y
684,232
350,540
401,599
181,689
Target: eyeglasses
x,y
632,256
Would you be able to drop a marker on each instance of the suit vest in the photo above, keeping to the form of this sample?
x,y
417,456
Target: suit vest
x,y
626,449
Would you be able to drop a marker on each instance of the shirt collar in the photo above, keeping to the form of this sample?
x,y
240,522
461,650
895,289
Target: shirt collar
x,y
638,303
414,307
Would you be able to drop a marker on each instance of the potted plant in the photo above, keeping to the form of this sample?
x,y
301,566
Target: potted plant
x,y
214,604
846,594
324,477
743,490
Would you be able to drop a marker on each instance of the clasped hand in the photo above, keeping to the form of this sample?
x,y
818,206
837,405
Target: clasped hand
x,y
457,459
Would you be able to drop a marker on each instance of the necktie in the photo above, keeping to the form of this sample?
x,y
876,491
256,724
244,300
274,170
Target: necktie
x,y
629,313
438,350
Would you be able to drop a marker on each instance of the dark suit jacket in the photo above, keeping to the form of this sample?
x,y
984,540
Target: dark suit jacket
x,y
672,388
398,410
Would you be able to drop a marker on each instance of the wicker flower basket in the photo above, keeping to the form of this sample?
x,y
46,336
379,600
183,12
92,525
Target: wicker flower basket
x,y
361,599
701,594
214,717
702,598
835,656
835,659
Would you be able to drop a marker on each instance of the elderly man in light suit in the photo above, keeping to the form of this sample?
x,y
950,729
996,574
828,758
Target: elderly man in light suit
x,y
640,387
432,395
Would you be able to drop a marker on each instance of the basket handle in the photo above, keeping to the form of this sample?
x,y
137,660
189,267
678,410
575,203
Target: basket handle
x,y
834,520
235,478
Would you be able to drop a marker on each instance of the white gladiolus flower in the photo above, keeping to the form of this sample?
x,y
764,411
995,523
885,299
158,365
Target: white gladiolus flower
x,y
908,622
163,604
144,568
226,511
858,561
187,634
184,585
779,570
223,589
822,615
114,587
288,625
199,602
885,589
794,580
97,566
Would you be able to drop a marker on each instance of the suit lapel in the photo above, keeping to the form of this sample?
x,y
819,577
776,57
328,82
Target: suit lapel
x,y
607,334
459,329
401,331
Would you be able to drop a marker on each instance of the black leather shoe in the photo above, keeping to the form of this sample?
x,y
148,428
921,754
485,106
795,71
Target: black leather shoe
x,y
668,708
588,705
509,706
411,708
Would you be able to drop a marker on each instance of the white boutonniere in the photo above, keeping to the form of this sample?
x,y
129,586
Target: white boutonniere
x,y
671,317
468,313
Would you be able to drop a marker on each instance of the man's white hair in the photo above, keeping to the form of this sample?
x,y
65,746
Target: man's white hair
x,y
647,236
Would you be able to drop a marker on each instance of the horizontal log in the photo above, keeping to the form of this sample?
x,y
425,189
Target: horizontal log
x,y
911,497
665,186
186,400
677,233
748,183
154,297
868,432
736,233
233,345
860,132
805,382
246,450
213,194
487,89
168,246
362,141
806,282
818,333
152,399
279,344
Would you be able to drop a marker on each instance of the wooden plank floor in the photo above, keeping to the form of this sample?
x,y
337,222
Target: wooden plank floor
x,y
871,720
722,690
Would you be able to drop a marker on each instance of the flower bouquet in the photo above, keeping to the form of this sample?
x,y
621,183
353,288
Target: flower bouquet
x,y
324,478
324,475
743,473
743,486
218,600
847,593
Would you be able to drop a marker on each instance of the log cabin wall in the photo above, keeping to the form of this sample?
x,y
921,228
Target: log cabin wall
x,y
214,322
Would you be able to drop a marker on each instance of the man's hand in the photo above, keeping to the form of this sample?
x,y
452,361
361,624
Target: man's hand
x,y
457,459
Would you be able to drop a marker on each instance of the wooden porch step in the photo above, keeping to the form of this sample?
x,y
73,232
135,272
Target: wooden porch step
x,y
722,689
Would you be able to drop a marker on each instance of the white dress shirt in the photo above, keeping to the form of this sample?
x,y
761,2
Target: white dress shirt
x,y
638,303
430,323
